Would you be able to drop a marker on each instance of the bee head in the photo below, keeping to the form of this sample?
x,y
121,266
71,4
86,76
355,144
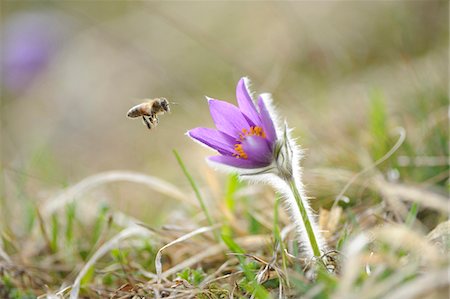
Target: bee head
x,y
165,104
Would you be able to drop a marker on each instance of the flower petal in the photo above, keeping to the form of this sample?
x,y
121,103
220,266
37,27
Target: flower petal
x,y
257,149
214,139
267,122
227,117
245,102
238,163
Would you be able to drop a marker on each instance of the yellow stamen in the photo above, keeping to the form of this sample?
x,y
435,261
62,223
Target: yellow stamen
x,y
240,151
254,131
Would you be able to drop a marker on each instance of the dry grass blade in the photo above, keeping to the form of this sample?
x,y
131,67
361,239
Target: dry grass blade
x,y
422,285
352,265
158,264
251,242
3,254
88,183
410,193
126,233
375,287
329,220
402,237
398,237
396,146
212,277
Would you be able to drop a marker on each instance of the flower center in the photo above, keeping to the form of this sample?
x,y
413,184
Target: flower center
x,y
254,131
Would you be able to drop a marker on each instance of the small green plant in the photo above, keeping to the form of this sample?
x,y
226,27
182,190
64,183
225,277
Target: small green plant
x,y
193,276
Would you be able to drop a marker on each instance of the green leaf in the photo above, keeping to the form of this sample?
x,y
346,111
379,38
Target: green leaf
x,y
197,277
99,223
233,185
231,244
88,277
184,274
70,219
378,125
54,233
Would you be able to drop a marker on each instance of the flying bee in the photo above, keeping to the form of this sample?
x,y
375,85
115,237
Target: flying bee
x,y
149,111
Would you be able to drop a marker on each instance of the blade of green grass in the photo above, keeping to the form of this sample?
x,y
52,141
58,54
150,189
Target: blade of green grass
x,y
411,217
70,219
250,285
235,248
378,124
43,229
277,236
54,233
197,192
99,224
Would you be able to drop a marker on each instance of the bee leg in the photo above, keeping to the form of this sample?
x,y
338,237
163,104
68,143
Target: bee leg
x,y
149,125
154,119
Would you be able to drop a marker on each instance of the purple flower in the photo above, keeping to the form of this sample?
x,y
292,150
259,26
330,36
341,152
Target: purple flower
x,y
245,136
30,41
254,146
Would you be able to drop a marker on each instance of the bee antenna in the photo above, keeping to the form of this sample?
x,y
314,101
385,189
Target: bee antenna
x,y
174,103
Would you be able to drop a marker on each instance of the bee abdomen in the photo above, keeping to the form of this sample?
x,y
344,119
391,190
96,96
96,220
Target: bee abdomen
x,y
136,111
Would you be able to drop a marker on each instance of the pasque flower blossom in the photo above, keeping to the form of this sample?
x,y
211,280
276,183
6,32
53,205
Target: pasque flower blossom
x,y
252,143
245,135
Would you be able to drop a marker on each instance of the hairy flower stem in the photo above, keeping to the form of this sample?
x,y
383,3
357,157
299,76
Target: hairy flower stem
x,y
309,230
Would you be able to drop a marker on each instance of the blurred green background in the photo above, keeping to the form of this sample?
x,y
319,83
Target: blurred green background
x,y
344,75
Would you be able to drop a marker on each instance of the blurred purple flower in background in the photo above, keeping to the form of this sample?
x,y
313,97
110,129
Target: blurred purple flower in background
x,y
245,135
30,39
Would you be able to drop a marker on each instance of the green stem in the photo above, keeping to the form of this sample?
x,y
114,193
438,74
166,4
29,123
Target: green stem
x,y
312,238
